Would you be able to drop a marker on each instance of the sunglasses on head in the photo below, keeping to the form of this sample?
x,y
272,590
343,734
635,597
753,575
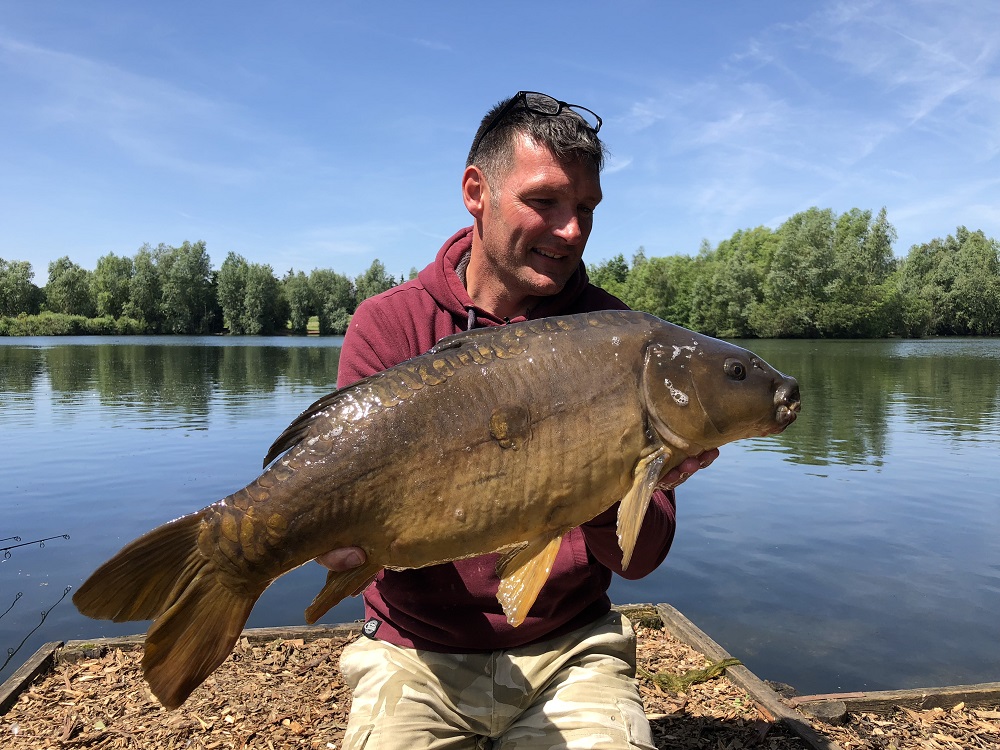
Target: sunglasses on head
x,y
539,104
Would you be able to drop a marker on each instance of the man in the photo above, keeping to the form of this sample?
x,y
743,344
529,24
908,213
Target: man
x,y
441,667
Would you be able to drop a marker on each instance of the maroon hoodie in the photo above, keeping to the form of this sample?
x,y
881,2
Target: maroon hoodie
x,y
453,607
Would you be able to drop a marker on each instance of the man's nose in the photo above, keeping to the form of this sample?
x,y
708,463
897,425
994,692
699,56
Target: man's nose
x,y
569,229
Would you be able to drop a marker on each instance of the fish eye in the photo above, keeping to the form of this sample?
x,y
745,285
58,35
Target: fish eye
x,y
735,369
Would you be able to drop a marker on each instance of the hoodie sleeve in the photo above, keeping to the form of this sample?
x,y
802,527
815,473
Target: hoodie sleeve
x,y
655,537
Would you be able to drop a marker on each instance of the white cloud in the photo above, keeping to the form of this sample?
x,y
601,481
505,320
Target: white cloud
x,y
152,122
858,105
433,44
617,164
923,56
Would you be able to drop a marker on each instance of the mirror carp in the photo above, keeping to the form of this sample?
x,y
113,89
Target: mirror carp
x,y
498,439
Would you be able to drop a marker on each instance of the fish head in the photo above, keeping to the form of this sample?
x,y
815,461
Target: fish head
x,y
701,392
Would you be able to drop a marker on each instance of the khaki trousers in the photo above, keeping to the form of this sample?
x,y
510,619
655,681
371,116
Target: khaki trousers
x,y
576,691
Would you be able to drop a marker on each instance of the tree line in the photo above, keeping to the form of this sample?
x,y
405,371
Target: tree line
x,y
818,275
175,290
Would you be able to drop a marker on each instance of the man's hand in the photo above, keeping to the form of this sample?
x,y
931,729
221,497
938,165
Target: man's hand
x,y
342,559
687,467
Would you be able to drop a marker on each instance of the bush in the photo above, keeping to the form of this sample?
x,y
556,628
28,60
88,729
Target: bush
x,y
104,326
58,324
126,326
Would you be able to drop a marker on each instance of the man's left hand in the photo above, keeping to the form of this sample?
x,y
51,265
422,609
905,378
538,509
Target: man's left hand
x,y
687,467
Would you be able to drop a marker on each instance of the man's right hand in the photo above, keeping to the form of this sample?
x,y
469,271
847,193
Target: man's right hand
x,y
342,559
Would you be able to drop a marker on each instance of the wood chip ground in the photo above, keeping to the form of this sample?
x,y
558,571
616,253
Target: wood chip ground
x,y
288,694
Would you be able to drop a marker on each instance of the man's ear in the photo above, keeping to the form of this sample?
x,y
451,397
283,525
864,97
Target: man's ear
x,y
475,191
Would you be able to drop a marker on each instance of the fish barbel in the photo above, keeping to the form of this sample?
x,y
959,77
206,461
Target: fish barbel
x,y
499,439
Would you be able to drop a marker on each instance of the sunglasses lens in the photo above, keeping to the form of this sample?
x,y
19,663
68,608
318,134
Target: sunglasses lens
x,y
543,104
592,120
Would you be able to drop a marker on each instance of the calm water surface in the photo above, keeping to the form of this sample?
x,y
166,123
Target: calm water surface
x,y
859,550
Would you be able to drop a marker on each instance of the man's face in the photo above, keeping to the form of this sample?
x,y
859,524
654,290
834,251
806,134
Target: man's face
x,y
536,225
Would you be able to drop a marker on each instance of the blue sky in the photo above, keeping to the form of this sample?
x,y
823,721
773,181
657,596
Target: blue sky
x,y
329,134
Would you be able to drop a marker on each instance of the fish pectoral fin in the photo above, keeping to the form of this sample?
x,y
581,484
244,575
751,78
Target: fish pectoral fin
x,y
339,586
523,572
632,509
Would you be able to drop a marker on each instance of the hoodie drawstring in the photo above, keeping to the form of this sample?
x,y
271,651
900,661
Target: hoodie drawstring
x,y
472,319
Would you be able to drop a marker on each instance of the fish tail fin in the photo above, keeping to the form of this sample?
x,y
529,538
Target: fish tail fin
x,y
147,576
193,637
339,586
163,576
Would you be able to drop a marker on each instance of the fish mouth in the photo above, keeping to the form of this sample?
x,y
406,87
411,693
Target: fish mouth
x,y
784,416
786,399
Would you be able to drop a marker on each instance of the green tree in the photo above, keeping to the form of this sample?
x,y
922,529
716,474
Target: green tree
x,y
299,299
974,300
916,308
264,308
610,275
728,282
801,270
68,290
333,299
17,292
858,301
373,281
661,286
187,301
951,286
232,284
250,297
112,280
144,290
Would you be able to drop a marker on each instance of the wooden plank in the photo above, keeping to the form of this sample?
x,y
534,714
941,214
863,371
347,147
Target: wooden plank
x,y
38,662
883,701
682,628
74,651
59,652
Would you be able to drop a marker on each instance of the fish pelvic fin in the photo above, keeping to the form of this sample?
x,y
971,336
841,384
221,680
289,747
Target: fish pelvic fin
x,y
339,586
523,571
632,509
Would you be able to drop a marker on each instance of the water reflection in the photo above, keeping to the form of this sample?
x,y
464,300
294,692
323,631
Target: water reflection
x,y
160,379
854,391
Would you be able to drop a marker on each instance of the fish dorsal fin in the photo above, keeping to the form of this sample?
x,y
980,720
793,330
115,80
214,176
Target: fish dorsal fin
x,y
523,571
302,424
632,509
299,427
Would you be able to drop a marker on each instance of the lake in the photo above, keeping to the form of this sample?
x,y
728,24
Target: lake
x,y
859,550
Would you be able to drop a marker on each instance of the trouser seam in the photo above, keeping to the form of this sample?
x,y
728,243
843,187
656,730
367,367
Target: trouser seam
x,y
494,729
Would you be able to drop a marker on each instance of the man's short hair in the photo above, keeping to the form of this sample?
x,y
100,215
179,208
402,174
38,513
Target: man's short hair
x,y
566,134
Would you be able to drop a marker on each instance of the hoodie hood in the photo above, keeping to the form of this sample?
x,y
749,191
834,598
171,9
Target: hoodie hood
x,y
444,280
